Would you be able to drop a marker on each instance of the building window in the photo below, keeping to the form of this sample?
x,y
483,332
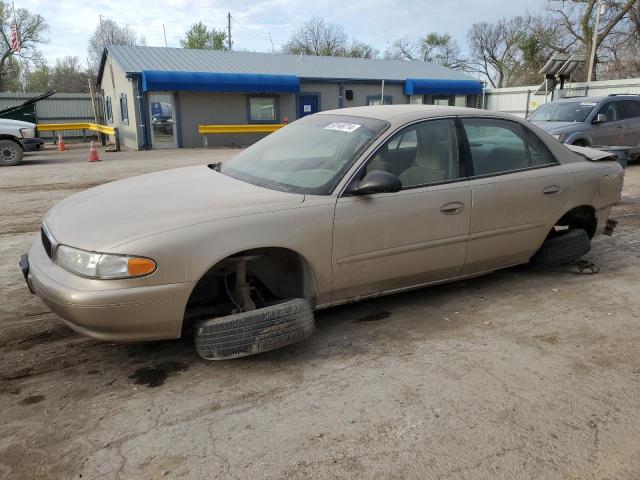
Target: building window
x,y
124,109
416,99
375,100
263,110
108,110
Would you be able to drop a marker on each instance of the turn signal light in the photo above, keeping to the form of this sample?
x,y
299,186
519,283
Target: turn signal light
x,y
140,266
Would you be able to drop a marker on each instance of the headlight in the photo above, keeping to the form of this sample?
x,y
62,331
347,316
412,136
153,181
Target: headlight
x,y
103,265
28,132
561,137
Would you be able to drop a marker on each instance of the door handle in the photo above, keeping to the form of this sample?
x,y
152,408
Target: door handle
x,y
452,208
552,190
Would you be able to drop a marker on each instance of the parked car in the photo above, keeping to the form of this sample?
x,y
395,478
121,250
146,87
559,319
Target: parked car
x,y
16,137
335,207
587,121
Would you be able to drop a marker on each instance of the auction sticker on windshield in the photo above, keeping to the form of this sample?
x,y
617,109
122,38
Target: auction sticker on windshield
x,y
343,126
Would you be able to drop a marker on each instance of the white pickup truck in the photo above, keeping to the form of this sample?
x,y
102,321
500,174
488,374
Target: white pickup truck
x,y
16,137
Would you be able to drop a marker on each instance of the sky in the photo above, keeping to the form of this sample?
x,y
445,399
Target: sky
x,y
257,24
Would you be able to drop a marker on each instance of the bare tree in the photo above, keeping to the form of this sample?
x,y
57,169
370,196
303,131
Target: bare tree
x,y
319,37
31,29
109,32
494,50
433,47
577,19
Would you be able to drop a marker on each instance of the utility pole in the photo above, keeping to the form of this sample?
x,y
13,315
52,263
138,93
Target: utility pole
x,y
596,27
165,35
229,29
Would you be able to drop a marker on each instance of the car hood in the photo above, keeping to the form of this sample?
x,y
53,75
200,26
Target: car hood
x,y
16,123
558,127
118,212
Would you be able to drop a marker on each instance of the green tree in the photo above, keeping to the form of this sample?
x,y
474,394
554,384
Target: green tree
x,y
39,80
200,37
31,28
68,76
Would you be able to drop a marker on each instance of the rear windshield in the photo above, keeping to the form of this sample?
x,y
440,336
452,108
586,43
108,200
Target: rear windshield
x,y
563,112
308,156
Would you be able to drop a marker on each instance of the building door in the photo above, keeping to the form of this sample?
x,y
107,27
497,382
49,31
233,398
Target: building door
x,y
162,120
308,104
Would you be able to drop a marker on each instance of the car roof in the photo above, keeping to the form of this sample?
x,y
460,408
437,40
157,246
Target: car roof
x,y
599,99
389,112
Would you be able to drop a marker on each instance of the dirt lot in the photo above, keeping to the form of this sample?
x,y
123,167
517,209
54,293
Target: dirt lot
x,y
519,374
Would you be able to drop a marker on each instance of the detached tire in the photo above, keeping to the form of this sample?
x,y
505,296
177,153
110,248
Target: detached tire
x,y
10,153
561,249
248,333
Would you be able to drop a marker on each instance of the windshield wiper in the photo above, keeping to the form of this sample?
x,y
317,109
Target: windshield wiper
x,y
215,166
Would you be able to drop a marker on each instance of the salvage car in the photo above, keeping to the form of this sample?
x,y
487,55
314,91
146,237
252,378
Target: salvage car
x,y
612,120
336,207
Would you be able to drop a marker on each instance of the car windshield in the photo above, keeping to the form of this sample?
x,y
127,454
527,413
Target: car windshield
x,y
563,112
308,156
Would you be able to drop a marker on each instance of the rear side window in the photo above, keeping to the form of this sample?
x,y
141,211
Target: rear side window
x,y
538,151
496,145
630,109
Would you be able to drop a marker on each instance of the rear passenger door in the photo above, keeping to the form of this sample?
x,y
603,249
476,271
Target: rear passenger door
x,y
631,116
518,191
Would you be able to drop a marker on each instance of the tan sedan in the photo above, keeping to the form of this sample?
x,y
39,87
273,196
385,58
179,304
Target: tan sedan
x,y
336,207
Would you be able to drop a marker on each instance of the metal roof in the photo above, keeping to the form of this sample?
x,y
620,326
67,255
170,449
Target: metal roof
x,y
135,59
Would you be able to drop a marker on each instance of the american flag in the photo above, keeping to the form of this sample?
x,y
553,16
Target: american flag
x,y
15,40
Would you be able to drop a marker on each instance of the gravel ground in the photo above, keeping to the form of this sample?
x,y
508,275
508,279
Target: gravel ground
x,y
518,374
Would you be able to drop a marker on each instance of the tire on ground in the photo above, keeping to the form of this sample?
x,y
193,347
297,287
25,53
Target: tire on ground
x,y
10,153
561,249
248,333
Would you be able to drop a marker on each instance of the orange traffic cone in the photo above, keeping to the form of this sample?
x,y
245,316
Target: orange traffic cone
x,y
93,153
61,146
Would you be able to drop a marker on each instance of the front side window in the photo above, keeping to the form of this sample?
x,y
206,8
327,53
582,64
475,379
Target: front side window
x,y
612,111
310,156
421,154
262,109
496,145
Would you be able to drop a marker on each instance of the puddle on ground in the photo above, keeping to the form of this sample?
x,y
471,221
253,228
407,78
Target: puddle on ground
x,y
155,376
373,317
32,400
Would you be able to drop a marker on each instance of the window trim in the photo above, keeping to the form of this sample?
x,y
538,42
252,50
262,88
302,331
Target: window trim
x,y
276,104
462,159
124,112
108,109
469,159
377,97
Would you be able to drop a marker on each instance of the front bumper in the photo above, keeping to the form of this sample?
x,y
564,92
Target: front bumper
x,y
110,310
32,144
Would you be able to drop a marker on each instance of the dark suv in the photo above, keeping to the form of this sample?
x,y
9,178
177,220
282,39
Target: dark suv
x,y
587,121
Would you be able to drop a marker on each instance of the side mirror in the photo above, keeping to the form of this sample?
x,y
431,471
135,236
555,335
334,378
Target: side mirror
x,y
377,181
600,118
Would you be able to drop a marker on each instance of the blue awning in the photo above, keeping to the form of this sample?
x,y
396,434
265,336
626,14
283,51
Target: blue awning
x,y
155,80
419,86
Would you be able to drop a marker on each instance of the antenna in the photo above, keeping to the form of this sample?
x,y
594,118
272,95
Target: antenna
x,y
229,29
273,50
165,35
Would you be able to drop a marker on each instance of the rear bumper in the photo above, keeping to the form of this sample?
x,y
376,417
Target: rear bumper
x,y
105,309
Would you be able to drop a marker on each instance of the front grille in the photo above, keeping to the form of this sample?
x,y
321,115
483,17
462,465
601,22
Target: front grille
x,y
46,242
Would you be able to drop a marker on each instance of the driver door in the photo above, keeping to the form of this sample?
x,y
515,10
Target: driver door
x,y
390,241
